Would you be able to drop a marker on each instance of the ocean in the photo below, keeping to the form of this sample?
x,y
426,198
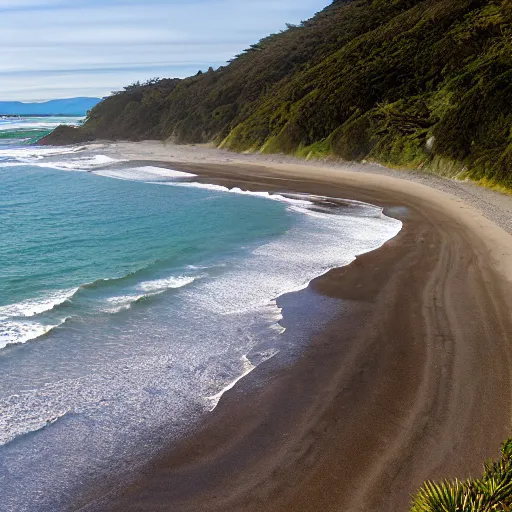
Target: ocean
x,y
131,298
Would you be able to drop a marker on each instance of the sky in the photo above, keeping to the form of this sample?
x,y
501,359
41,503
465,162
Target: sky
x,y
65,48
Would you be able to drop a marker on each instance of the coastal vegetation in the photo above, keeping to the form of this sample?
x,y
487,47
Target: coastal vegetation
x,y
409,83
492,492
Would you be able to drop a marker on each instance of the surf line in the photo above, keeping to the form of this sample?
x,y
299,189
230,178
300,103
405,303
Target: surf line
x,y
248,368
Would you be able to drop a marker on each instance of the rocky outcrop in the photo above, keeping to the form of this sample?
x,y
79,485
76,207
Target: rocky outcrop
x,y
66,135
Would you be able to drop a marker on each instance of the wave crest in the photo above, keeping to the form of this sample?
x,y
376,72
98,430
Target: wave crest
x,y
33,307
33,318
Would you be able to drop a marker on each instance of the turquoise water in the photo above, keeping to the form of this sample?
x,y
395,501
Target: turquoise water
x,y
28,130
131,298
73,230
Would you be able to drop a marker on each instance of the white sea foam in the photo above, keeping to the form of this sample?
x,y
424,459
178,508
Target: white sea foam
x,y
149,289
31,423
14,332
15,329
80,164
165,284
247,368
23,123
120,303
311,248
145,173
153,373
236,190
36,306
34,153
17,163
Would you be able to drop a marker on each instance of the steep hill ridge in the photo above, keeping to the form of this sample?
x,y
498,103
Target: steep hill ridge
x,y
413,83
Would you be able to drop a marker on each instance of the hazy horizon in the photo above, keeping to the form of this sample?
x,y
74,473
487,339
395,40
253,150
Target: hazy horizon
x,y
89,49
50,99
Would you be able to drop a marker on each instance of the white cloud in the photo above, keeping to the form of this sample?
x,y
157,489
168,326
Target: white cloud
x,y
56,48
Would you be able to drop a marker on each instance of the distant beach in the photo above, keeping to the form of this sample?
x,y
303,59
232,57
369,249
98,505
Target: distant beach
x,y
406,374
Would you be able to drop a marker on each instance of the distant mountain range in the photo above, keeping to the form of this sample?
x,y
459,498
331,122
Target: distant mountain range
x,y
68,107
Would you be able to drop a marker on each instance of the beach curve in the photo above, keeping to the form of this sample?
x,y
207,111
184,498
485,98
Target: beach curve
x,y
412,381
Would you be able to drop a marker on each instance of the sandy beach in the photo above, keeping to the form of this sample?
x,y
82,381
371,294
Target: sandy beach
x,y
411,379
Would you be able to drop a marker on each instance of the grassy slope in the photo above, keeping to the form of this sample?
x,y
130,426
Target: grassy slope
x,y
412,83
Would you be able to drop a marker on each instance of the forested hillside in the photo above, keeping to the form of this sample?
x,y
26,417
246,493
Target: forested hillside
x,y
413,83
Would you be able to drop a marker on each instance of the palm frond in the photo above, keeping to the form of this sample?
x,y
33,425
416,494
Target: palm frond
x,y
491,493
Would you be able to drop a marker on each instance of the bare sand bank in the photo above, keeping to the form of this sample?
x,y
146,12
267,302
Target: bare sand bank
x,y
411,381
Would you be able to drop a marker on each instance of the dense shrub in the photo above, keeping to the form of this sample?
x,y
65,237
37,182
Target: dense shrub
x,y
374,78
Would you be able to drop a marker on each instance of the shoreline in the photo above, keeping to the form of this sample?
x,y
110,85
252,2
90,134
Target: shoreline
x,y
493,205
393,391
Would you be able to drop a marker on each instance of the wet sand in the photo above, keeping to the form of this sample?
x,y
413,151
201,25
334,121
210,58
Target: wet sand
x,y
409,380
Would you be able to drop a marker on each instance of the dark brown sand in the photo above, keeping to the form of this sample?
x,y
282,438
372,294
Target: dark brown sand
x,y
412,381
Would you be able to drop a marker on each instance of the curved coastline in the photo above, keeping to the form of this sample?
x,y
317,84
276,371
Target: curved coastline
x,y
411,380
